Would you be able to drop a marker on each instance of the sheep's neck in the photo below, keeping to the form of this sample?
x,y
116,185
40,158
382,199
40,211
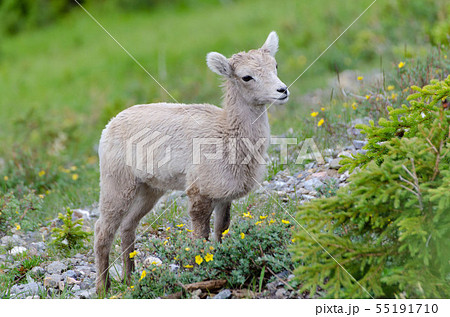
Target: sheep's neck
x,y
244,120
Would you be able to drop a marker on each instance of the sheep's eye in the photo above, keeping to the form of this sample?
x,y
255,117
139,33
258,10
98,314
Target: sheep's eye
x,y
276,66
247,78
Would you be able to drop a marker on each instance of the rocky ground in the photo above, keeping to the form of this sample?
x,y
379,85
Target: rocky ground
x,y
74,277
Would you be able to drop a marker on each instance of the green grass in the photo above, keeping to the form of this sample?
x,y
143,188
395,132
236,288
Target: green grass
x,y
73,76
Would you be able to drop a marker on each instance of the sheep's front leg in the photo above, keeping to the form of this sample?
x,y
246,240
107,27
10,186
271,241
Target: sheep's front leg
x,y
200,210
221,219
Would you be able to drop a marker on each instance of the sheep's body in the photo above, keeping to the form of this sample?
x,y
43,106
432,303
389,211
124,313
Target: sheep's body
x,y
128,191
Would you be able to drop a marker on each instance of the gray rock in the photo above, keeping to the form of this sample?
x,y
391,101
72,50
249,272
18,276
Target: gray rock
x,y
280,293
87,269
33,297
223,294
56,267
334,164
38,270
86,294
87,283
76,287
38,246
359,144
81,214
52,281
312,184
152,260
69,273
196,294
24,290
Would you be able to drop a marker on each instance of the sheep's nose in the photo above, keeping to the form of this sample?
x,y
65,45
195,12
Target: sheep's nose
x,y
283,90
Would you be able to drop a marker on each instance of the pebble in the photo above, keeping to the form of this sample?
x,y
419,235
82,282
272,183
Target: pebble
x,y
152,260
52,281
223,294
24,290
56,267
312,184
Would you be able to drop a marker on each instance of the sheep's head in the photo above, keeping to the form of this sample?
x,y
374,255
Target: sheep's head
x,y
253,74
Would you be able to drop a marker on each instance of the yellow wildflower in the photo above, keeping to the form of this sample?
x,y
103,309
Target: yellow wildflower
x,y
188,266
132,287
132,254
394,96
187,249
165,242
285,221
367,97
354,105
41,173
168,228
247,215
320,122
198,259
390,87
242,235
188,230
6,178
17,226
143,275
209,257
181,225
293,240
314,114
262,217
323,109
211,248
73,168
360,78
75,177
271,221
258,223
401,65
41,196
225,232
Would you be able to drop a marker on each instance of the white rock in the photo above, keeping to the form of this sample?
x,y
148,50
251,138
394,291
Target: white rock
x,y
152,260
17,250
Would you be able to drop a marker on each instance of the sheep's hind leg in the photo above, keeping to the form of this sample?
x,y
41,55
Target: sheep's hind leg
x,y
221,219
143,202
114,202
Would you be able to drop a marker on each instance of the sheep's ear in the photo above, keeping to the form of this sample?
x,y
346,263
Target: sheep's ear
x,y
271,43
218,64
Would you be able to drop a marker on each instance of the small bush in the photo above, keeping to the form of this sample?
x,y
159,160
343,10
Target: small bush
x,y
248,255
390,227
19,213
71,234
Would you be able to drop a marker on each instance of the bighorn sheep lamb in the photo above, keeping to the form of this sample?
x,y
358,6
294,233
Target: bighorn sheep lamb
x,y
233,141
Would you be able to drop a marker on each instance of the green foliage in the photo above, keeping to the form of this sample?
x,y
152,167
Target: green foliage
x,y
19,213
18,273
423,111
390,227
19,15
245,257
71,234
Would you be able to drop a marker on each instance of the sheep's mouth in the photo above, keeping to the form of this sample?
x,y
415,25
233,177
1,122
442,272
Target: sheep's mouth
x,y
282,98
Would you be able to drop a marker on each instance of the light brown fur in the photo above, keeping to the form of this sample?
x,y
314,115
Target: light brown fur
x,y
128,193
